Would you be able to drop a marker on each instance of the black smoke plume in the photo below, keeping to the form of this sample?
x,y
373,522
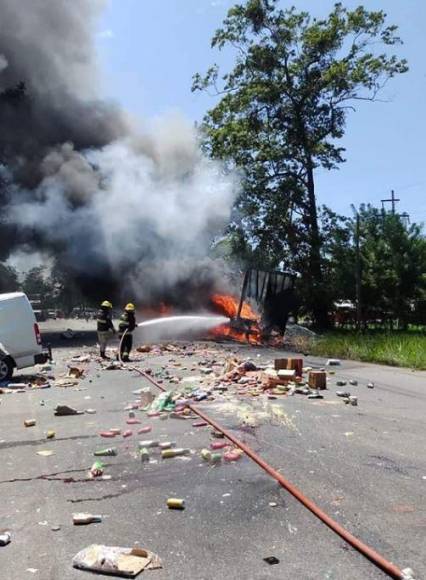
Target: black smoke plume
x,y
127,211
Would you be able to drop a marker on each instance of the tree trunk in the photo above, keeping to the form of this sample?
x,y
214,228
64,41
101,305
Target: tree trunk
x,y
319,303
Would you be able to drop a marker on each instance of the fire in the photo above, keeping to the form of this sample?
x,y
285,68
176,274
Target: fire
x,y
228,306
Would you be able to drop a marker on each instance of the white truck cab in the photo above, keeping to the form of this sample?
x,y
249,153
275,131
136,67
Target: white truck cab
x,y
20,338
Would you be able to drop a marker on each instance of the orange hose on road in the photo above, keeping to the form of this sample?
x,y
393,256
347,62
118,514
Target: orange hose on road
x,y
388,567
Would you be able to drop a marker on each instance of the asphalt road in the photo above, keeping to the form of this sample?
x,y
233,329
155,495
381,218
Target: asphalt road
x,y
364,465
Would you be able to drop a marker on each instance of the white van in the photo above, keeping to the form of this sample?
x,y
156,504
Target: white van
x,y
20,338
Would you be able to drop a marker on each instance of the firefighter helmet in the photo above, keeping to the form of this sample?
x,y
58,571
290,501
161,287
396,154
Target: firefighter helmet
x,y
130,307
106,304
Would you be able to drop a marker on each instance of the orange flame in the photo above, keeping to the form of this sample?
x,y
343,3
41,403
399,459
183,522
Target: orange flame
x,y
228,306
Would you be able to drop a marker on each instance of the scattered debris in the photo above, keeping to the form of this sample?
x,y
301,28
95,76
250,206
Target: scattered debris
x,y
66,382
271,560
109,452
75,373
127,562
64,410
370,385
50,434
5,537
333,362
148,444
317,380
85,519
167,444
233,455
144,454
45,452
175,503
166,453
218,444
97,469
353,382
29,422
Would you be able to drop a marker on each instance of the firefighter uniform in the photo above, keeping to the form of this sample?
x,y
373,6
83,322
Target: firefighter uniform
x,y
126,327
105,326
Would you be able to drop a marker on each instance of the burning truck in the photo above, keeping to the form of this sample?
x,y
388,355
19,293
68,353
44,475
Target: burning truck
x,y
275,298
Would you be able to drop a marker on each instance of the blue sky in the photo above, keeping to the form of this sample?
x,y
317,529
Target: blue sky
x,y
149,50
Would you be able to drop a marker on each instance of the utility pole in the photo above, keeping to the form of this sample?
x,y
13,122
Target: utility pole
x,y
358,272
392,200
405,217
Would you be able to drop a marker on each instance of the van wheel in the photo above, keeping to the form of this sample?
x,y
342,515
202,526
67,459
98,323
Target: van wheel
x,y
6,369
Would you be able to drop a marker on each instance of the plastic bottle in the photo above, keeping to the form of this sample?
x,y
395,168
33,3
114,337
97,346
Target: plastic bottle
x,y
144,453
110,452
166,453
167,444
148,444
84,519
215,458
218,444
206,454
176,504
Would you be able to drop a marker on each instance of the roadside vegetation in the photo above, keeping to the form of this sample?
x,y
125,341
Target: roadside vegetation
x,y
396,348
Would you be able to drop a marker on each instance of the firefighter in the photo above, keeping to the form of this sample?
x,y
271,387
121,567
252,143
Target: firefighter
x,y
105,326
126,327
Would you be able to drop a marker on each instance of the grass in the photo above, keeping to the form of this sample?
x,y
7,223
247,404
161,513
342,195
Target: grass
x,y
398,348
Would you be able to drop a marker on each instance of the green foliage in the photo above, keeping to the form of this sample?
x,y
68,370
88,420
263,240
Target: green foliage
x,y
281,112
405,349
8,279
37,283
393,264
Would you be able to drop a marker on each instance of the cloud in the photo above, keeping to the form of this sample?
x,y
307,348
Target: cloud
x,y
107,34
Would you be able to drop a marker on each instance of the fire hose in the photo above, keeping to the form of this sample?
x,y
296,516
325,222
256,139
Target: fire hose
x,y
387,567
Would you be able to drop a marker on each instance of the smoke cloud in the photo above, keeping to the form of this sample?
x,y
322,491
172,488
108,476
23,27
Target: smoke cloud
x,y
128,210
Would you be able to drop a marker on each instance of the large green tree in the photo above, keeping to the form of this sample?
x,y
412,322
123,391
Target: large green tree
x,y
282,110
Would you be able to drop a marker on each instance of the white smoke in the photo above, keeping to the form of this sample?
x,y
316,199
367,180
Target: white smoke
x,y
151,201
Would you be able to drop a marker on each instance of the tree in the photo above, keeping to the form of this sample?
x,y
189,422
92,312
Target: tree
x,y
281,112
8,279
36,284
393,265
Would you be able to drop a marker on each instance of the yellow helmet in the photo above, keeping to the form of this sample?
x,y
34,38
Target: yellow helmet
x,y
106,304
130,307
